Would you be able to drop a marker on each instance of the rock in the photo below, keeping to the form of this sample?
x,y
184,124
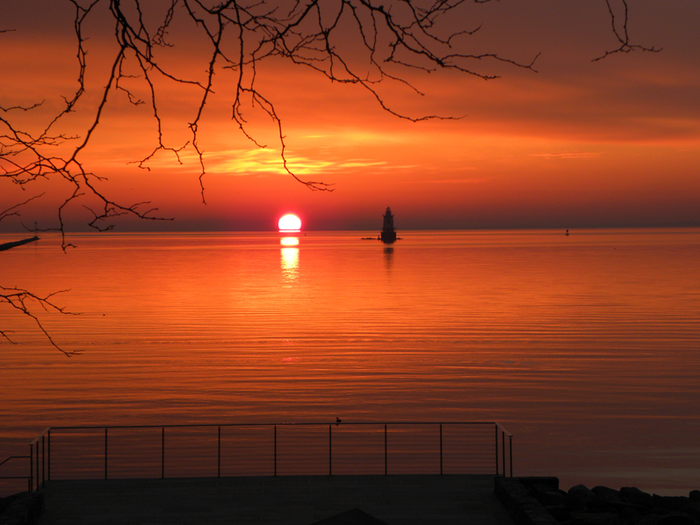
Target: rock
x,y
676,520
23,508
540,483
582,490
552,498
635,496
607,494
538,501
692,508
580,496
561,513
510,488
595,518
523,507
351,517
649,519
670,503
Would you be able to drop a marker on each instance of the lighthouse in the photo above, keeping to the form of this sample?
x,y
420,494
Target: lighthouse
x,y
388,235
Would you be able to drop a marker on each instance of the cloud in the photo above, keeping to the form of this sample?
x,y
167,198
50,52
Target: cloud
x,y
268,161
480,180
569,155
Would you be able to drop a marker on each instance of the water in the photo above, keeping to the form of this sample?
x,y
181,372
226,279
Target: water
x,y
586,347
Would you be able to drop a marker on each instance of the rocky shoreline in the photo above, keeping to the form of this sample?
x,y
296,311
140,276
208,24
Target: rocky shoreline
x,y
21,509
539,501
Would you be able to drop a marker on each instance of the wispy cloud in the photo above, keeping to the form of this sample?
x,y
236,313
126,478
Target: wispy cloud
x,y
456,181
569,155
266,161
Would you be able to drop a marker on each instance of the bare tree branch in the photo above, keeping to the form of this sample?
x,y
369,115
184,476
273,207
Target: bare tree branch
x,y
14,209
620,30
390,40
239,37
20,300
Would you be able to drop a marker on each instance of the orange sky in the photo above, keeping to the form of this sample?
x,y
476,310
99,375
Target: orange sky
x,y
576,144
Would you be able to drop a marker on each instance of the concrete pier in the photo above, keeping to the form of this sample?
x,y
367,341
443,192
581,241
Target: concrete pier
x,y
289,500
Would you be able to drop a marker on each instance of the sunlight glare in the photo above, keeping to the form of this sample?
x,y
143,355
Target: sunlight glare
x,y
289,223
289,263
289,241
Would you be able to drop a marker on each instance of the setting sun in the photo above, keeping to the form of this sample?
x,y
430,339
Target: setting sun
x,y
289,223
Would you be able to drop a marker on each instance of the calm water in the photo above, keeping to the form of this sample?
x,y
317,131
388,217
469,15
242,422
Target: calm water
x,y
587,347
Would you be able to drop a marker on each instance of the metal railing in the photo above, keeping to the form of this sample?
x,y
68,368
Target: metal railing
x,y
205,450
35,461
15,476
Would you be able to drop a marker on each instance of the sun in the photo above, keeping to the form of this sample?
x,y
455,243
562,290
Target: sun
x,y
289,223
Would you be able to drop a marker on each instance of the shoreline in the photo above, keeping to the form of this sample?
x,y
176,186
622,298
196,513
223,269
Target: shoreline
x,y
539,501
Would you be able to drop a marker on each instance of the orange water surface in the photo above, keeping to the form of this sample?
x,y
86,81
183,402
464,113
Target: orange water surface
x,y
586,347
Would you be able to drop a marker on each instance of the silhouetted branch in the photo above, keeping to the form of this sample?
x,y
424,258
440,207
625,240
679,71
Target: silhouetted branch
x,y
365,43
14,209
20,300
620,30
239,37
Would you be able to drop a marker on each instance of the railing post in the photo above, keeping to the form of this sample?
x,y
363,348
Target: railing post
x,y
275,450
49,447
441,449
330,450
510,439
503,445
106,453
386,452
218,455
162,453
43,459
31,467
37,465
495,427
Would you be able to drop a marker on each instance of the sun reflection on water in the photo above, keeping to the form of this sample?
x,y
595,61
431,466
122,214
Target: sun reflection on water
x,y
289,257
289,241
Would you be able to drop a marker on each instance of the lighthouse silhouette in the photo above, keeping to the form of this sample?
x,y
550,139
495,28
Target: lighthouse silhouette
x,y
388,235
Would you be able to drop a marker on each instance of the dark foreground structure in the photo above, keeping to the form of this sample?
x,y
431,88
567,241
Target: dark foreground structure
x,y
288,500
303,473
345,500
